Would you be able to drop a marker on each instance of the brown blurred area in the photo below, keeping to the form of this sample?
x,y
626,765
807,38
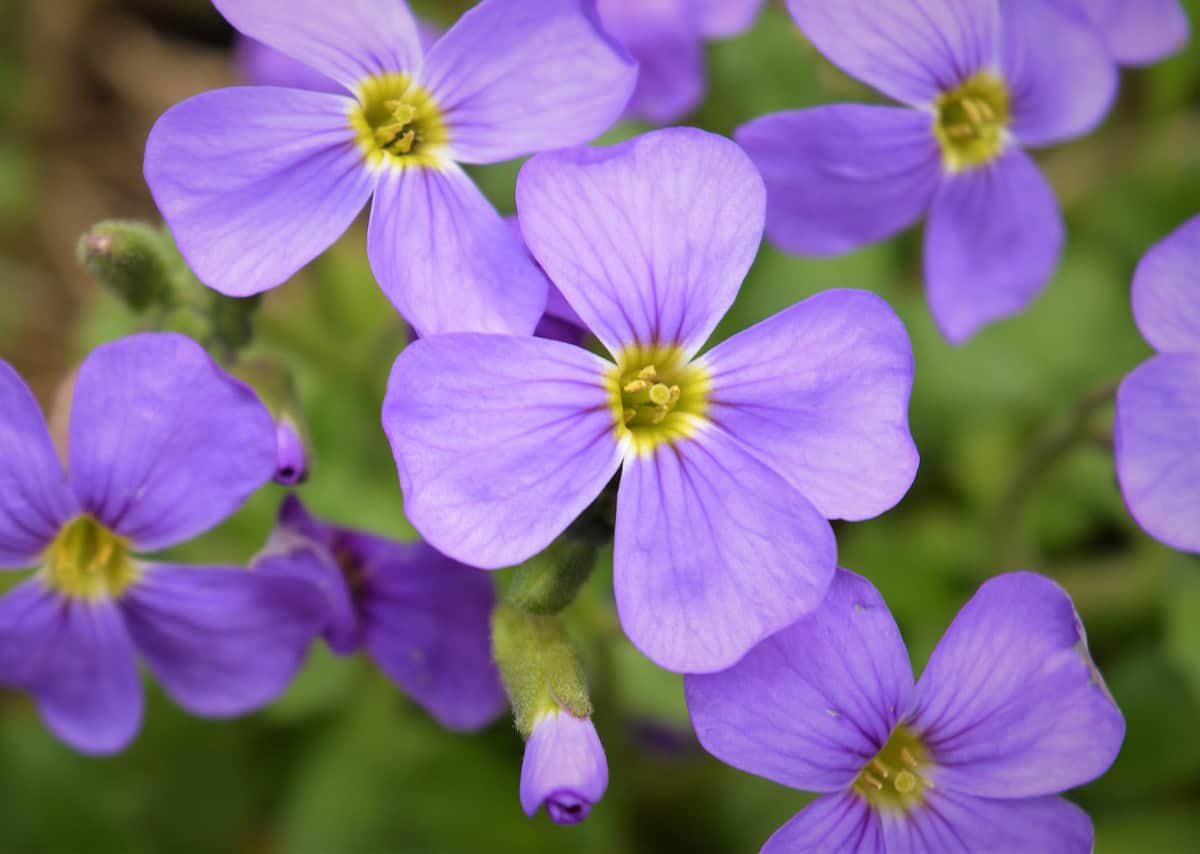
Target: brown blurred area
x,y
86,80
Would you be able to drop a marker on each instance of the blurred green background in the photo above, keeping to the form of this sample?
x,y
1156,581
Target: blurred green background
x,y
1011,477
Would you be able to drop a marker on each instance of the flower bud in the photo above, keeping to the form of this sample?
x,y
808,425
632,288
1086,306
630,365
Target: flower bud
x,y
291,456
131,259
565,767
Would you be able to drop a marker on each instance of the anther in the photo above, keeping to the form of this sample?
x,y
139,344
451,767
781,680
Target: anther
x,y
880,767
871,781
635,386
907,758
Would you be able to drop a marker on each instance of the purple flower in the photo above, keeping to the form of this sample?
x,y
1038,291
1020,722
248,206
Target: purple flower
x,y
421,617
565,768
291,455
1157,430
667,38
1009,712
980,80
731,462
255,182
1137,33
163,445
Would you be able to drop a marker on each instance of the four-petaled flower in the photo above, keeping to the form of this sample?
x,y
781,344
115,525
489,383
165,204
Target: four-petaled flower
x,y
163,445
421,617
732,462
1156,434
255,182
1009,712
667,38
981,80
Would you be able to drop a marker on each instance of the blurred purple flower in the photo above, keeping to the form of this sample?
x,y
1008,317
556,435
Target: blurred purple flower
x,y
732,461
564,768
1137,32
1009,712
1157,430
980,80
421,617
255,182
163,445
667,38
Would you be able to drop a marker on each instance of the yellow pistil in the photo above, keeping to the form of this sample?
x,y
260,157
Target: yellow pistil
x,y
88,561
398,123
970,122
894,780
657,396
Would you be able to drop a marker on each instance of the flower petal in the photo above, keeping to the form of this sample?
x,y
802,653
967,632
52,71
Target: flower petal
x,y
35,498
222,640
262,65
1010,704
427,625
908,49
517,76
1139,33
347,40
842,176
819,392
720,19
164,444
841,822
713,552
446,259
954,823
500,442
648,240
255,182
667,45
565,768
1166,292
1156,441
310,562
812,704
992,244
1061,77
77,660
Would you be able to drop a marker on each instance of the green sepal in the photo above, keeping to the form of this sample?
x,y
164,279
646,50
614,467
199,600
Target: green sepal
x,y
538,665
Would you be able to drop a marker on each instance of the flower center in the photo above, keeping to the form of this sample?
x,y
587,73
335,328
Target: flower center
x,y
971,121
88,561
893,780
657,396
398,123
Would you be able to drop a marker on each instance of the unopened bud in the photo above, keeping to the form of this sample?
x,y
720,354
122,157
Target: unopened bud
x,y
565,767
131,259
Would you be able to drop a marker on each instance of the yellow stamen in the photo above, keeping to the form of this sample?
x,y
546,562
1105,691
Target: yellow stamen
x,y
398,123
657,396
970,122
88,561
900,790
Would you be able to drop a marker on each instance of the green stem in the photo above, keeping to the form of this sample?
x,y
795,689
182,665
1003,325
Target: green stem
x,y
1055,443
